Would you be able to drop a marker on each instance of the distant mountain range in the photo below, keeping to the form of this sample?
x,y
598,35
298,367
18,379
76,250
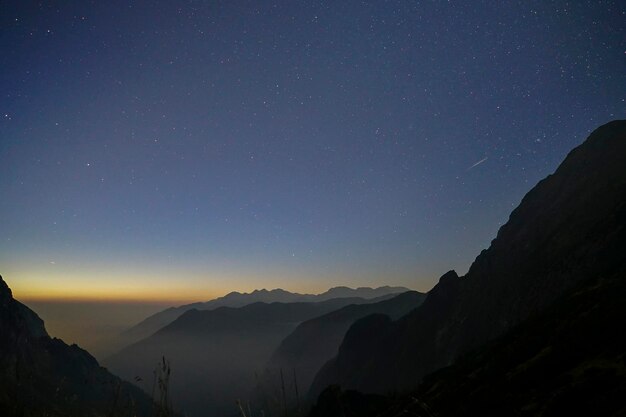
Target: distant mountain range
x,y
236,299
215,353
568,232
42,376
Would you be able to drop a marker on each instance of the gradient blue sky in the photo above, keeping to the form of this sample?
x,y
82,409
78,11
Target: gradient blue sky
x,y
176,150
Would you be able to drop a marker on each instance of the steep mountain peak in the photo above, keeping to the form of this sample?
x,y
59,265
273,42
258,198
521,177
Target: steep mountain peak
x,y
5,291
448,277
570,227
16,317
445,289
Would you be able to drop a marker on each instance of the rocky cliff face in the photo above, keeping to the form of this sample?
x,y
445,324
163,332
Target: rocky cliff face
x,y
40,375
568,228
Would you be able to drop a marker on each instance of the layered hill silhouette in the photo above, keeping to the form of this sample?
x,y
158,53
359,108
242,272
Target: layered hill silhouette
x,y
571,227
42,376
317,340
214,354
236,299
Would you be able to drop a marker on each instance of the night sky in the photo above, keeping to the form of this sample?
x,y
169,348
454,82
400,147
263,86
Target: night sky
x,y
182,149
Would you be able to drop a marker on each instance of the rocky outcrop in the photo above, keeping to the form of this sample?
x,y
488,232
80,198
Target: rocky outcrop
x,y
40,375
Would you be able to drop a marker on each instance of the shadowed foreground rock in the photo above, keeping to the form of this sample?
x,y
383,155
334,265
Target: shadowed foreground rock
x,y
42,376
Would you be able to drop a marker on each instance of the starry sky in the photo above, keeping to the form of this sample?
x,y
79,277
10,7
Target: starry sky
x,y
177,150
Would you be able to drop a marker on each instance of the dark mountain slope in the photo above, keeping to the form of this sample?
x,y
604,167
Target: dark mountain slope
x,y
41,376
214,354
569,360
235,299
316,341
568,228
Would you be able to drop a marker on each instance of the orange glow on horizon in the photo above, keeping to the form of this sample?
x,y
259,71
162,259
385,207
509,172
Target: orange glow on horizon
x,y
158,295
133,291
166,287
111,295
109,298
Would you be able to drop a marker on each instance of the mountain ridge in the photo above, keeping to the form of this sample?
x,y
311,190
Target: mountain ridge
x,y
158,320
568,227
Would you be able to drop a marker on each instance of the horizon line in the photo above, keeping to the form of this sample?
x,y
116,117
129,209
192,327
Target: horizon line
x,y
171,301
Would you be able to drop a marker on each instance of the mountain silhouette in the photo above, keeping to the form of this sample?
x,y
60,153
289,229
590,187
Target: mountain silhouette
x,y
214,354
236,299
42,376
569,228
315,341
567,360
